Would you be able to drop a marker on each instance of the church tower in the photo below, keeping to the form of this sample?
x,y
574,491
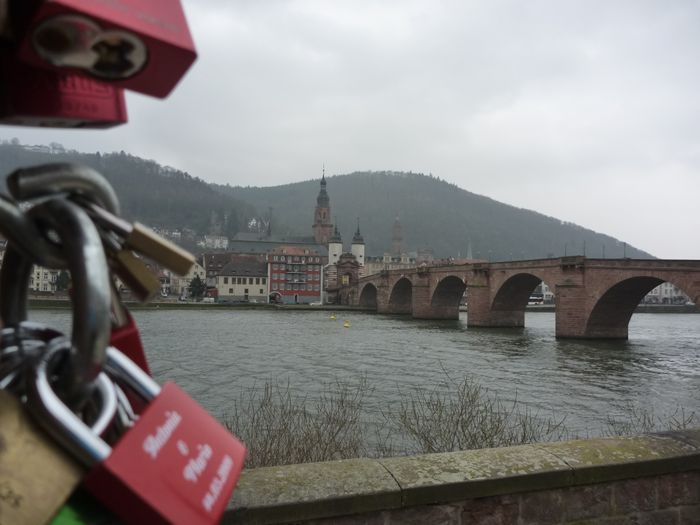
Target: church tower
x,y
358,246
335,247
322,228
397,238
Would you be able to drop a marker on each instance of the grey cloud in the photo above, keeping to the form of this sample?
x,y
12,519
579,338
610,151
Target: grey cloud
x,y
583,110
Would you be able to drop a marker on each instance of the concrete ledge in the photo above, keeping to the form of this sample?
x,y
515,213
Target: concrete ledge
x,y
455,476
297,493
312,490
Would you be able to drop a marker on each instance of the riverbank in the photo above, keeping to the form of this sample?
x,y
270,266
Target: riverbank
x,y
58,303
641,309
45,302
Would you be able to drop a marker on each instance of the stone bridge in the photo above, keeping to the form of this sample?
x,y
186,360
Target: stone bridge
x,y
594,298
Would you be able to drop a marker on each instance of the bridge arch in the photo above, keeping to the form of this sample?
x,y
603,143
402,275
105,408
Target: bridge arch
x,y
511,298
515,291
611,313
401,297
448,293
368,296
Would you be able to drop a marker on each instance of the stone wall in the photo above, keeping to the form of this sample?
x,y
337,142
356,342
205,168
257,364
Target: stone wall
x,y
650,479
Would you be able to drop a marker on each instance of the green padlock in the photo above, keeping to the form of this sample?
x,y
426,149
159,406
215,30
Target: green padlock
x,y
82,509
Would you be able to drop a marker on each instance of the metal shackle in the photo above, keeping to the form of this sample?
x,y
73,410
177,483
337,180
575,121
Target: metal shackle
x,y
91,300
52,414
52,179
18,344
58,420
23,233
15,275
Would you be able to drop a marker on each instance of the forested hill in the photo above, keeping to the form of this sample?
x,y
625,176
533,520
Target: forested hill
x,y
433,214
158,196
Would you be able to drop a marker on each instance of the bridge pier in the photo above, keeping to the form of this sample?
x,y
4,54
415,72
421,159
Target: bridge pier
x,y
570,313
396,303
425,306
420,300
383,292
480,313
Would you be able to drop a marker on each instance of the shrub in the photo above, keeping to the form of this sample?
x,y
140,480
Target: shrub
x,y
281,427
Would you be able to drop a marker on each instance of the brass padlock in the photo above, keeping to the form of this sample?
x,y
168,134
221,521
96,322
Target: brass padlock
x,y
134,273
143,240
36,475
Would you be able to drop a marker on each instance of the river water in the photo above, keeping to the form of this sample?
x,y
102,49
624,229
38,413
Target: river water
x,y
216,355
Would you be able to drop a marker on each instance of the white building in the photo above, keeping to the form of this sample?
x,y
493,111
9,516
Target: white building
x,y
666,293
43,279
244,279
180,285
215,242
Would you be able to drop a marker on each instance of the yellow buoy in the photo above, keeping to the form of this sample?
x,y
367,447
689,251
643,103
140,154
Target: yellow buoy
x,y
333,317
346,324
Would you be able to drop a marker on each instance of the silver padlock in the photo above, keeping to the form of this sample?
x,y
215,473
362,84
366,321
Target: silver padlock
x,y
63,178
82,249
25,341
25,236
22,342
62,423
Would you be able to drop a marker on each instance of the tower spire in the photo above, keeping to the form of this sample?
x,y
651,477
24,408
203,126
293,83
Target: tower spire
x,y
322,227
357,238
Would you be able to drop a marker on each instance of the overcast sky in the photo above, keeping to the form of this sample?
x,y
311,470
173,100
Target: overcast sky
x,y
588,111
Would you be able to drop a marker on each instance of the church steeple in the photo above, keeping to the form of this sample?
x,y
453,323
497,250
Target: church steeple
x,y
336,235
322,199
358,245
397,237
357,238
322,227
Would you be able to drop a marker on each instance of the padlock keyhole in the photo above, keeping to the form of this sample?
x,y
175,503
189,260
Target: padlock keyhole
x,y
54,40
114,59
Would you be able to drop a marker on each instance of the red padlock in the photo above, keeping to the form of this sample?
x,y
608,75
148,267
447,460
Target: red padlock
x,y
142,45
36,97
176,465
127,339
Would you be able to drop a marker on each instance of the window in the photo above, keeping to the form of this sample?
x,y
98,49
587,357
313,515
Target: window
x,y
246,291
250,280
277,258
226,280
264,280
261,291
257,280
282,258
230,290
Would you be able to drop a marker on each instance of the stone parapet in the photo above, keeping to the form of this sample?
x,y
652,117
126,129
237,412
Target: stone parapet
x,y
653,478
